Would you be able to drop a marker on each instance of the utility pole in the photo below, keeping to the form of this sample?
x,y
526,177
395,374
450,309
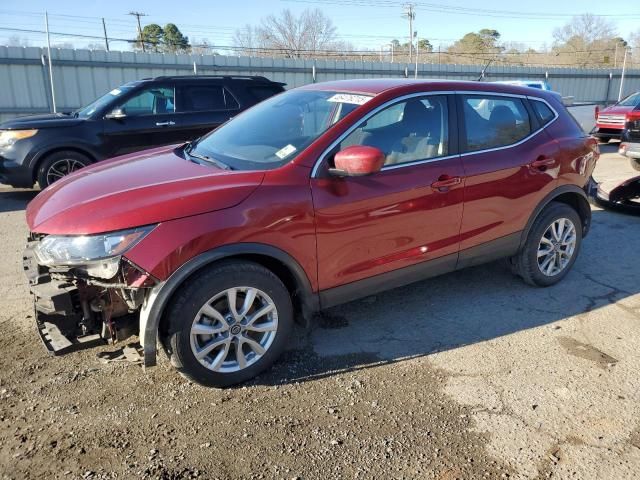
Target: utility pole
x,y
410,14
415,75
138,15
106,39
624,67
53,90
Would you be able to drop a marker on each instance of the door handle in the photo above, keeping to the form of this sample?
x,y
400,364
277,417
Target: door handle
x,y
165,124
541,163
444,182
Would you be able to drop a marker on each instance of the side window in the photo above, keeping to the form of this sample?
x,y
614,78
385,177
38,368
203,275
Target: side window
x,y
150,101
205,98
545,114
415,129
492,122
262,92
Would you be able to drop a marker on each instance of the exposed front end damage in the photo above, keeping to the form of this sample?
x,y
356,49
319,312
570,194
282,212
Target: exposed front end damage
x,y
623,197
84,304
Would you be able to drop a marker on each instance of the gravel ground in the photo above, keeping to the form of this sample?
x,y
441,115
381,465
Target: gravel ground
x,y
469,375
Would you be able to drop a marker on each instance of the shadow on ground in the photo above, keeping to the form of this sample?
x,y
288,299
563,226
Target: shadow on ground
x,y
463,308
12,200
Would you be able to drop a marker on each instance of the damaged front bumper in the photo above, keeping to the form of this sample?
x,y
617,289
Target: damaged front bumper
x,y
75,310
620,196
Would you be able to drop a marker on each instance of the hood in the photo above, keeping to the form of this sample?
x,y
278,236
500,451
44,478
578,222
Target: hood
x,y
47,120
613,109
135,190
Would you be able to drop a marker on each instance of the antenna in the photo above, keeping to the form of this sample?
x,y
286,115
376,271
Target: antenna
x,y
484,69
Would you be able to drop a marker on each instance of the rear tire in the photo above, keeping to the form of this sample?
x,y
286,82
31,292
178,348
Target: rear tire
x,y
635,163
552,246
215,345
60,164
604,139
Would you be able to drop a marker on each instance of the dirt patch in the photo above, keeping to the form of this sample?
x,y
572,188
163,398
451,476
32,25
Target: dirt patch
x,y
309,417
587,352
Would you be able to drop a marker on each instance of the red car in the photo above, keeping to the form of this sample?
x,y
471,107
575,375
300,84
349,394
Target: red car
x,y
315,197
610,121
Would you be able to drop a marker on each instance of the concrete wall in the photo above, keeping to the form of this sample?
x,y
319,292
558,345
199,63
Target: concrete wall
x,y
82,75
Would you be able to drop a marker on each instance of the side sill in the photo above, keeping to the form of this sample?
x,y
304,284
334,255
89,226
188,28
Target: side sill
x,y
387,281
489,251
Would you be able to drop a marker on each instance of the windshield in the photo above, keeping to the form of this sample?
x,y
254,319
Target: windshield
x,y
275,131
631,101
103,101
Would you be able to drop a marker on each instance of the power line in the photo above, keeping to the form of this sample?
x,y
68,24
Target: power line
x,y
443,8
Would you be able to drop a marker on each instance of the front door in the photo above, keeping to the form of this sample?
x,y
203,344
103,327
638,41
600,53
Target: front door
x,y
148,121
408,213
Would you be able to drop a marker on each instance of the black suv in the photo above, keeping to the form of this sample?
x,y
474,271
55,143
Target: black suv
x,y
142,114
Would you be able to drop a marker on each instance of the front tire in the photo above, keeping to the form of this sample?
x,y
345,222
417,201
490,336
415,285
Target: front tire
x,y
229,323
635,163
60,164
552,246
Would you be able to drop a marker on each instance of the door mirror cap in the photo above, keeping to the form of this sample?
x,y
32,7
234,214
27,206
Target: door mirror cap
x,y
116,114
357,161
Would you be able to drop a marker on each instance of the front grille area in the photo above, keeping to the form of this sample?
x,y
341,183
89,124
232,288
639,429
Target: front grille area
x,y
611,119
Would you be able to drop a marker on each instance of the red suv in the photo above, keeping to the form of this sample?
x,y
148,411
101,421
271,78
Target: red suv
x,y
610,122
314,197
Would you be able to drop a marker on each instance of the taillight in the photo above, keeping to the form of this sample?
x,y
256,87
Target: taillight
x,y
633,115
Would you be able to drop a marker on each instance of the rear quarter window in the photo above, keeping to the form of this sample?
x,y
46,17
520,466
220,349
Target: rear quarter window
x,y
544,113
262,92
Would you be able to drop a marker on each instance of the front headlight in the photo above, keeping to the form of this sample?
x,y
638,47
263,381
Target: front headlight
x,y
62,250
9,137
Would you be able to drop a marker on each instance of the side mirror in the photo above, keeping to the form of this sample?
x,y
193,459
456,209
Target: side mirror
x,y
357,161
115,114
596,112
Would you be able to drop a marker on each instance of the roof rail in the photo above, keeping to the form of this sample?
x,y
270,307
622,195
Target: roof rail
x,y
228,77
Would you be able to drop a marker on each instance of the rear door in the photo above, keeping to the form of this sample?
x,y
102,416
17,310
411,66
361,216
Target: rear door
x,y
406,214
203,107
149,120
510,165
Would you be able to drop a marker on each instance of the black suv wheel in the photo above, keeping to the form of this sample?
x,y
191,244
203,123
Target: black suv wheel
x,y
59,164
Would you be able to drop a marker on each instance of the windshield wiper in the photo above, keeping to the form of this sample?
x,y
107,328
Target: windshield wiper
x,y
207,159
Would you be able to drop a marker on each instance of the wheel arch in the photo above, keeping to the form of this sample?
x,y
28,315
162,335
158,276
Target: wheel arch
x,y
152,319
571,195
43,154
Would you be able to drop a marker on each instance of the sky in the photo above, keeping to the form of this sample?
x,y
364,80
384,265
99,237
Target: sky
x,y
365,26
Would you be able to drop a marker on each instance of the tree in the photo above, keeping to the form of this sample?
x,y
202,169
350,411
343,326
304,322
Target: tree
x,y
17,41
476,47
288,35
167,40
424,46
174,40
584,29
586,40
152,36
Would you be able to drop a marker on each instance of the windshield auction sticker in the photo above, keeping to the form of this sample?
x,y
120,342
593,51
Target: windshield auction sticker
x,y
285,152
349,98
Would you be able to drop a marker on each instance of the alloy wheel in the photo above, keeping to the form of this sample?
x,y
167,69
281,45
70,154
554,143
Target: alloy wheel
x,y
234,329
61,168
556,247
